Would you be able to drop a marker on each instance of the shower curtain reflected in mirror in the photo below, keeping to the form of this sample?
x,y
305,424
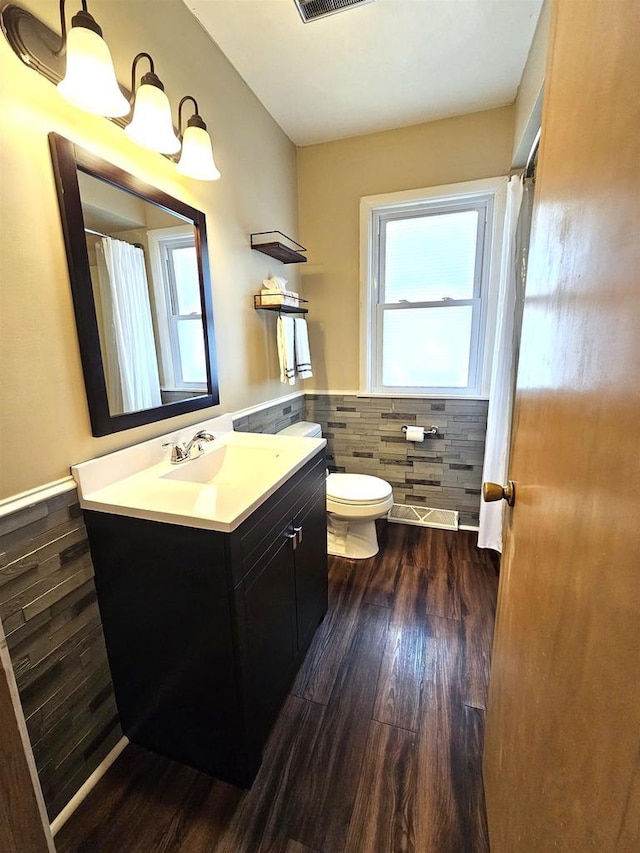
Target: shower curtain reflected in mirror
x,y
127,341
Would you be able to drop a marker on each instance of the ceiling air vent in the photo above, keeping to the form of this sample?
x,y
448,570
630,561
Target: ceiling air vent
x,y
311,10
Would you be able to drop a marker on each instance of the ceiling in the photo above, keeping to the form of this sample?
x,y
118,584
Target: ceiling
x,y
376,66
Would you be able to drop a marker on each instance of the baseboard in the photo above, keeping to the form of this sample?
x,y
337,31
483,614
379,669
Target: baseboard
x,y
468,527
88,786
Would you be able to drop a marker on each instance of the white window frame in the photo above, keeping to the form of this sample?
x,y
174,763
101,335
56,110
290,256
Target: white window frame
x,y
159,238
488,195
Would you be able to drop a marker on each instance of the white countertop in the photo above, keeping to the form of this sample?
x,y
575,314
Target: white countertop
x,y
215,491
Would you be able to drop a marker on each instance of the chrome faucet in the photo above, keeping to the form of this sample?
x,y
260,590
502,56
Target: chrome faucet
x,y
182,452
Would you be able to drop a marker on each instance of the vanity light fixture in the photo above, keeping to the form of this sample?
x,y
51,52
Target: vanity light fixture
x,y
196,160
78,61
151,125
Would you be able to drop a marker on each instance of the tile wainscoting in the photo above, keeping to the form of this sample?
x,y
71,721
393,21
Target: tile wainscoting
x,y
364,436
54,634
272,418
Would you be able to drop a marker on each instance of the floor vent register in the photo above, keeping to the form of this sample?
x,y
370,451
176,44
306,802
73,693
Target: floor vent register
x,y
424,516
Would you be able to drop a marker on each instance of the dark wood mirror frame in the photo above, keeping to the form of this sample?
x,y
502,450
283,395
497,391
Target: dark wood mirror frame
x,y
68,159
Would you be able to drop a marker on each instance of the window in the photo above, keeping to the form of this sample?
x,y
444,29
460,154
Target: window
x,y
428,305
176,284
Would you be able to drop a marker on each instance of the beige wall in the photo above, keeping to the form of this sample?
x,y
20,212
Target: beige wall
x,y
332,177
44,424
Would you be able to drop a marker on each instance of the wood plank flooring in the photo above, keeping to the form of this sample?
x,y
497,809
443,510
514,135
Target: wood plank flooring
x,y
378,746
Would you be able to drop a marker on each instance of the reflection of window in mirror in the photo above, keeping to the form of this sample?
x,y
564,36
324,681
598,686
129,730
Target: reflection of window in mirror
x,y
176,292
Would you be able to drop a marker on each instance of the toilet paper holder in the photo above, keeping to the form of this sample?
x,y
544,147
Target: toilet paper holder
x,y
433,430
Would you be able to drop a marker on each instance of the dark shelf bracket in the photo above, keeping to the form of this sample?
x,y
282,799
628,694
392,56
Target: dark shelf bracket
x,y
275,248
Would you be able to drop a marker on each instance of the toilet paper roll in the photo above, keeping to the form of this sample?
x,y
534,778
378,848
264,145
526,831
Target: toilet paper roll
x,y
414,433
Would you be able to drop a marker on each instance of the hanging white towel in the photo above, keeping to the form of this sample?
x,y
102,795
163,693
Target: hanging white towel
x,y
286,350
303,356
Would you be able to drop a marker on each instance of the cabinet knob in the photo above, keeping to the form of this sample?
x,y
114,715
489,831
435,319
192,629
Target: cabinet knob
x,y
298,532
496,492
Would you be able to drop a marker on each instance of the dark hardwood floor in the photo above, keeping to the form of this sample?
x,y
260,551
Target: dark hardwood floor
x,y
378,747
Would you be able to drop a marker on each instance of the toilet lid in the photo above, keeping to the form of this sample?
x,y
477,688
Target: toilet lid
x,y
357,488
302,429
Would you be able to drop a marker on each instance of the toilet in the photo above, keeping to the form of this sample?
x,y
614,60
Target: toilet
x,y
354,502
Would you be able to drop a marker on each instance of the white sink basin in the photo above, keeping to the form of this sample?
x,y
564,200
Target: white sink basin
x,y
232,464
216,491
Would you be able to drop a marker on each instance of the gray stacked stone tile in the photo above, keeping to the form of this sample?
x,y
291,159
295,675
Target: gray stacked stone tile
x,y
272,418
50,616
364,436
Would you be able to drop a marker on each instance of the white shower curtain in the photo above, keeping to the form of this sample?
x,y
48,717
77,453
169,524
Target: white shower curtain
x,y
129,352
505,356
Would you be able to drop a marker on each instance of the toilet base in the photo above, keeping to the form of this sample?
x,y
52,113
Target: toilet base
x,y
355,540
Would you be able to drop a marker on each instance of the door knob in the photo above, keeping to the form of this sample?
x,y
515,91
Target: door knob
x,y
495,492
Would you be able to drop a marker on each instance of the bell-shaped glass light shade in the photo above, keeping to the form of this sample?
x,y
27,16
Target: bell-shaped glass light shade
x,y
196,160
90,80
151,125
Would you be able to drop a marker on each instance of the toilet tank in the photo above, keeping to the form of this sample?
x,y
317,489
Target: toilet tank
x,y
303,429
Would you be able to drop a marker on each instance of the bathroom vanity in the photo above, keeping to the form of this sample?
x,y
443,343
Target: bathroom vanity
x,y
205,629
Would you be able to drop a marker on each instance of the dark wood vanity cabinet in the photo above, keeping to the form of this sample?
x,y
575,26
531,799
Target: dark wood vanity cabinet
x,y
205,630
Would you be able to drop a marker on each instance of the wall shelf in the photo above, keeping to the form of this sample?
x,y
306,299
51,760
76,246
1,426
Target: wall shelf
x,y
277,245
259,305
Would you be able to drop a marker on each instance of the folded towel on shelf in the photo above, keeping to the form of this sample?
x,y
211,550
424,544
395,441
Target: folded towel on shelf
x,y
303,355
286,350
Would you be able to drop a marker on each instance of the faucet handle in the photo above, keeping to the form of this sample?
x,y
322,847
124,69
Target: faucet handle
x,y
177,451
204,435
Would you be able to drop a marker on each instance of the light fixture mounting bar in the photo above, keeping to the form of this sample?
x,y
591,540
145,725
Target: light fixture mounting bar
x,y
38,46
33,42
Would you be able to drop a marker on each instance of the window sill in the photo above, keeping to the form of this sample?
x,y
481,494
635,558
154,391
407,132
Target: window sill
x,y
416,396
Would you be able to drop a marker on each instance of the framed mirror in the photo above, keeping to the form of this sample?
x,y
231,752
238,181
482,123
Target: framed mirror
x,y
139,272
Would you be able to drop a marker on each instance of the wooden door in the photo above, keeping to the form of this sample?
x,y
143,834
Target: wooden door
x,y
562,753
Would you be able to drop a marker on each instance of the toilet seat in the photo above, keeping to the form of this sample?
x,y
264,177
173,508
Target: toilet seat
x,y
357,490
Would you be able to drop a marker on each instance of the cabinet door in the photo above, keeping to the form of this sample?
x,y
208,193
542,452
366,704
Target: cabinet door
x,y
164,603
269,614
311,567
